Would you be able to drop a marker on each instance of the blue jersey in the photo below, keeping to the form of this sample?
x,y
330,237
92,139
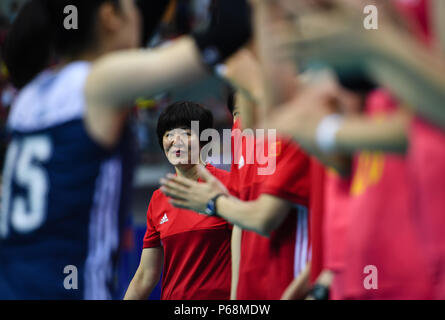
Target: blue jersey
x,y
63,196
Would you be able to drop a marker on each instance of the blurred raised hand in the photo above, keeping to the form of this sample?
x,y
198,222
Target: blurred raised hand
x,y
244,72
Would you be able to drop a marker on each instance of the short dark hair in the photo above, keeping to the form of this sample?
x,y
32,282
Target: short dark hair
x,y
180,115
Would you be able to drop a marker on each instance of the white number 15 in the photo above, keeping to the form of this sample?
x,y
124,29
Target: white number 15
x,y
23,166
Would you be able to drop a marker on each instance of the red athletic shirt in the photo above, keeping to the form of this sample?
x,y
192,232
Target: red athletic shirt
x,y
335,227
336,220
197,263
426,161
269,264
317,208
416,13
329,222
382,231
427,170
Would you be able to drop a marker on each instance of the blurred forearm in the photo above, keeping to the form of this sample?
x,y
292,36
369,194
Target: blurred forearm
x,y
365,133
236,254
279,75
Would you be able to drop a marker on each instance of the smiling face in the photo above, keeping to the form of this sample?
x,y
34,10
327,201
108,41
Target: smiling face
x,y
180,145
178,134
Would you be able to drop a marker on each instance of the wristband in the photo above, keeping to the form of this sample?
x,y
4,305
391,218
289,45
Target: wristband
x,y
211,205
229,30
320,292
326,132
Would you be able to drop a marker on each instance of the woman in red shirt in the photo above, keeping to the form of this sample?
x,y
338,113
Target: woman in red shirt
x,y
191,250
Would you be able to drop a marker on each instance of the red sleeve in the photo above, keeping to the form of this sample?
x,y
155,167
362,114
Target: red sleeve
x,y
336,220
152,238
290,180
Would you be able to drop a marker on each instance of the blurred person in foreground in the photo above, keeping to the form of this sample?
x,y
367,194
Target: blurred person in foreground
x,y
269,208
68,169
384,230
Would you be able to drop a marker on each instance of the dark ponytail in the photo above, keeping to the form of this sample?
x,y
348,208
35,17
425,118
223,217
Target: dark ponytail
x,y
38,35
28,45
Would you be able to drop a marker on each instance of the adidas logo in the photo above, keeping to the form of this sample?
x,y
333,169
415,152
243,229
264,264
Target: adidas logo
x,y
164,218
241,162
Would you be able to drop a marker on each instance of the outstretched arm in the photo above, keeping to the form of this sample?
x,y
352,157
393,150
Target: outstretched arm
x,y
391,56
118,79
262,215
